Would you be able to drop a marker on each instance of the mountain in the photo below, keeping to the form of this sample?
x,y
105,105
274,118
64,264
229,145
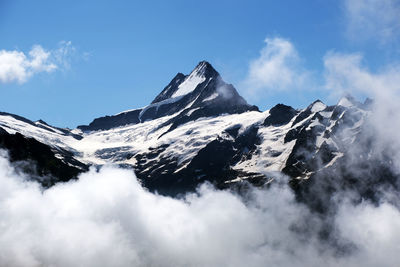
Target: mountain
x,y
200,129
202,93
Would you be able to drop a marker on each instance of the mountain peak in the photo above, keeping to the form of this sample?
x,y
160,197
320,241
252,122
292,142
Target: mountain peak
x,y
204,69
184,84
280,114
348,101
202,93
316,106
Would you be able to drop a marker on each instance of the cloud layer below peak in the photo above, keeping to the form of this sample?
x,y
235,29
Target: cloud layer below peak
x,y
107,218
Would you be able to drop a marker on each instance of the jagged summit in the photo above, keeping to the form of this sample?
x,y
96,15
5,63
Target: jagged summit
x,y
316,106
279,115
170,88
204,69
202,93
347,100
183,84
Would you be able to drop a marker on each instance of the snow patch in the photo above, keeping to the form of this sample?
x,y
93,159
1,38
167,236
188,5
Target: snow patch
x,y
345,102
191,111
191,82
318,106
158,104
211,97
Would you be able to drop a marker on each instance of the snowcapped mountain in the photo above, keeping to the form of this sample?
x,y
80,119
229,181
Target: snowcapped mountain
x,y
200,129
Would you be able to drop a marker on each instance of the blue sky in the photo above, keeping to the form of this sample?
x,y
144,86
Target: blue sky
x,y
102,57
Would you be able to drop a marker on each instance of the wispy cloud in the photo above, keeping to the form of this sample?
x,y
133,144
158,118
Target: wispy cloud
x,y
346,72
18,67
373,19
64,53
276,69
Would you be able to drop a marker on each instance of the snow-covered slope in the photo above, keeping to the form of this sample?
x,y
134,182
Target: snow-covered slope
x,y
57,138
200,129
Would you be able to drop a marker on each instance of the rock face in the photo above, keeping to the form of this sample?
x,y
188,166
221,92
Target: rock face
x,y
280,115
200,129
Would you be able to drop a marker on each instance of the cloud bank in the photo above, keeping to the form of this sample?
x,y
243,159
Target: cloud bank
x,y
107,219
19,67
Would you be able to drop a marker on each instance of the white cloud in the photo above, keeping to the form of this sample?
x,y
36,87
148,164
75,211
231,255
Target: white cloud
x,y
64,53
373,19
18,67
346,72
374,230
276,69
107,219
